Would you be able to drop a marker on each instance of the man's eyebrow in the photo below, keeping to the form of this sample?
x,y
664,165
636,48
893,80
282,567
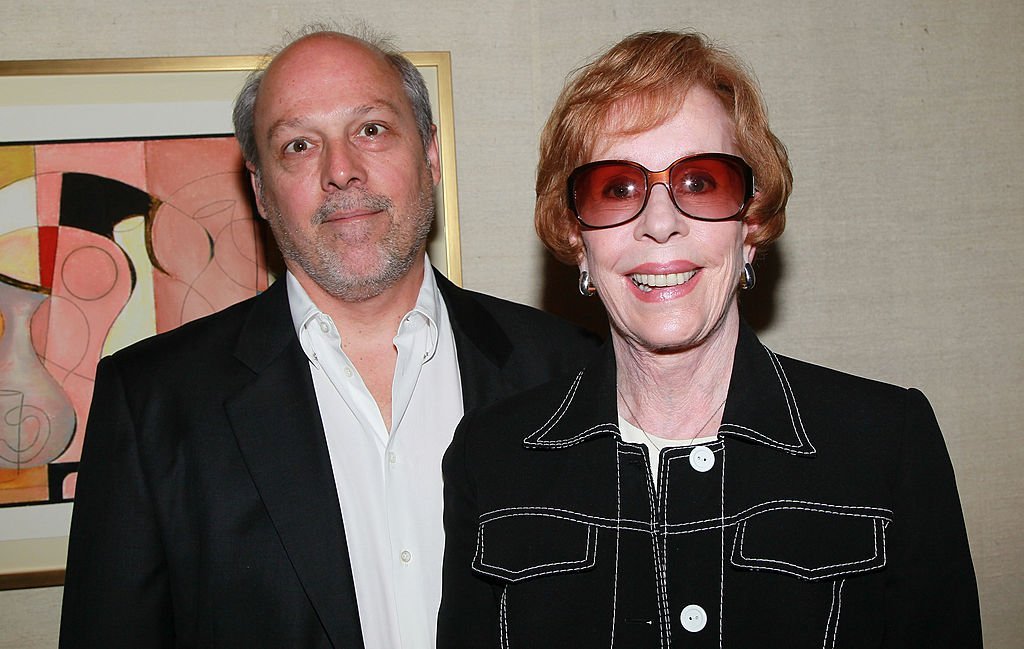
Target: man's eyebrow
x,y
358,111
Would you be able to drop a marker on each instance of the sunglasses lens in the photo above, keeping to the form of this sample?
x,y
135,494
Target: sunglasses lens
x,y
607,194
709,188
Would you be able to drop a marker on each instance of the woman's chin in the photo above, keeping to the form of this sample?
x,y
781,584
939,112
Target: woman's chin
x,y
666,336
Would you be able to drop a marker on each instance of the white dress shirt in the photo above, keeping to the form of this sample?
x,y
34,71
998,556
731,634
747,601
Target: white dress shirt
x,y
389,481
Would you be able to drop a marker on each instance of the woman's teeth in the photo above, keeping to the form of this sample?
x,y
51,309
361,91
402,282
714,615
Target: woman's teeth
x,y
648,282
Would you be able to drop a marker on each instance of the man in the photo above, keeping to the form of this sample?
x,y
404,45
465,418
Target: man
x,y
247,478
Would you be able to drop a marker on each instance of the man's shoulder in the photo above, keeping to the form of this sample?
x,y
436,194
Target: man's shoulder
x,y
522,324
208,336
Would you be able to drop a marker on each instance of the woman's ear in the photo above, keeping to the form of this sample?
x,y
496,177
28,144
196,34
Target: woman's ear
x,y
750,228
749,247
576,242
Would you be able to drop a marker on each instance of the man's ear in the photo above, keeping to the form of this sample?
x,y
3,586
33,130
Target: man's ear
x,y
257,187
434,156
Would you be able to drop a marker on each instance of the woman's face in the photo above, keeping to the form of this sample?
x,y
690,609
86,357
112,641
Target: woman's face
x,y
668,281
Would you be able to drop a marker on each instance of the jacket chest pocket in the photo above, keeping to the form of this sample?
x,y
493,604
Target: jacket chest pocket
x,y
520,546
812,542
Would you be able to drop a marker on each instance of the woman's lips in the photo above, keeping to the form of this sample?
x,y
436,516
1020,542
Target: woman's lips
x,y
664,281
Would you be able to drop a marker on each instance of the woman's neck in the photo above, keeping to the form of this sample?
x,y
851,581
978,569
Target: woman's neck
x,y
677,394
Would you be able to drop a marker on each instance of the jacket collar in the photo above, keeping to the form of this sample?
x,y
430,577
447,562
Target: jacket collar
x,y
268,328
761,407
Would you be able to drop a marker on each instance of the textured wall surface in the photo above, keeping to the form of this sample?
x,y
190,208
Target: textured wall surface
x,y
904,122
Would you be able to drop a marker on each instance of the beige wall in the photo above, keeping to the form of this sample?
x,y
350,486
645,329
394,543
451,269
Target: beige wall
x,y
905,122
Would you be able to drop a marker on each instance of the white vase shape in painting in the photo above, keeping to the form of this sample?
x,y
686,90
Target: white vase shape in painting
x,y
37,420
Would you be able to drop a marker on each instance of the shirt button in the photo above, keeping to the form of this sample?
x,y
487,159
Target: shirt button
x,y
693,618
324,327
392,458
406,556
348,372
702,458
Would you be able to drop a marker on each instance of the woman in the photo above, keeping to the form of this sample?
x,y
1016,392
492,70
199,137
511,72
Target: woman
x,y
691,488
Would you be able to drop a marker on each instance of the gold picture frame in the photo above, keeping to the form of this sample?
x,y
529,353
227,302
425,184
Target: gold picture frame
x,y
71,100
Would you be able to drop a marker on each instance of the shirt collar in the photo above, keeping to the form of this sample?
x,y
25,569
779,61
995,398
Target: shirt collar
x,y
428,304
299,303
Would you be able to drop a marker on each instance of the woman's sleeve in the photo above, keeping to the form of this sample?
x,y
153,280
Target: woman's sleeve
x,y
469,611
931,594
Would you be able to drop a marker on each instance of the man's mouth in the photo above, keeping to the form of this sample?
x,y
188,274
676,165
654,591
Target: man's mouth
x,y
647,282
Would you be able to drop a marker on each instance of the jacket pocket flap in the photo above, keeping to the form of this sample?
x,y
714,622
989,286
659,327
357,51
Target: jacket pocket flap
x,y
810,543
517,547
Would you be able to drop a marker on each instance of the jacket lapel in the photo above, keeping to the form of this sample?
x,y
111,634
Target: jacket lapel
x,y
586,409
277,423
480,344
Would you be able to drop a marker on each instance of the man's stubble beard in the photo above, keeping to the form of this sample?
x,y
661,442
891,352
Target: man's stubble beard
x,y
320,259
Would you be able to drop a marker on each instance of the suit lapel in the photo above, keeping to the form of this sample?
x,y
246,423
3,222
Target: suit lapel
x,y
277,423
480,344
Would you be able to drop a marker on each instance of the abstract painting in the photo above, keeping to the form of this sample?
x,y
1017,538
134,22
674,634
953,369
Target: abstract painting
x,y
102,244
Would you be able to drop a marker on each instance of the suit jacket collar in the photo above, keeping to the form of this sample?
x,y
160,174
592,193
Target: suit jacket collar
x,y
276,421
268,329
760,407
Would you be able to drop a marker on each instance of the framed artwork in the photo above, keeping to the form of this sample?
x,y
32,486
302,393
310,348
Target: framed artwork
x,y
125,211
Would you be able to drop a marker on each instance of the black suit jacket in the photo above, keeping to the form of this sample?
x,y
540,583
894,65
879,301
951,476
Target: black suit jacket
x,y
206,512
824,515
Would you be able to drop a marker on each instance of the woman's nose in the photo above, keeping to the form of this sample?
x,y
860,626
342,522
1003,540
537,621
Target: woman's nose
x,y
661,219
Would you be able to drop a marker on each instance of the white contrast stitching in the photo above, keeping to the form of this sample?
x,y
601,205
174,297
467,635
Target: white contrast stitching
x,y
589,561
804,571
832,629
568,515
798,424
795,420
664,623
885,515
536,438
839,610
762,508
618,538
874,533
503,620
721,564
556,416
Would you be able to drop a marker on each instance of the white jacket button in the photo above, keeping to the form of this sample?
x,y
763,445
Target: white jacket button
x,y
693,618
702,458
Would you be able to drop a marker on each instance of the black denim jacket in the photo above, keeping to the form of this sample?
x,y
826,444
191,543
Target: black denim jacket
x,y
824,515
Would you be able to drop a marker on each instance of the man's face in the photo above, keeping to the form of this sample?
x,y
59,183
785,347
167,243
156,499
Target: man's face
x,y
343,179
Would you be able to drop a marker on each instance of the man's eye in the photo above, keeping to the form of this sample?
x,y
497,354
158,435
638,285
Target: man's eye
x,y
372,130
297,146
